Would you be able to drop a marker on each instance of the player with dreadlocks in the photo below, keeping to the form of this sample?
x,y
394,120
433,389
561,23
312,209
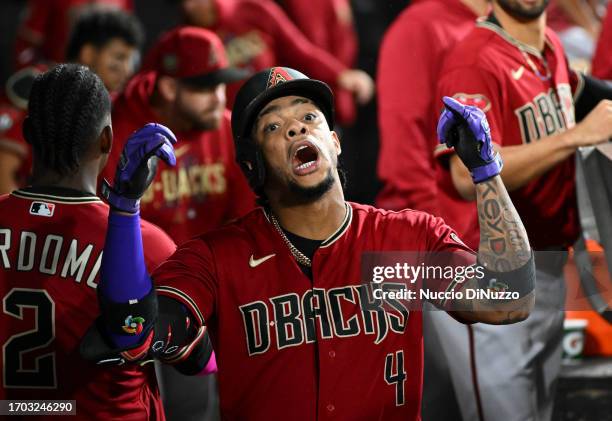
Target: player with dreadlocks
x,y
52,234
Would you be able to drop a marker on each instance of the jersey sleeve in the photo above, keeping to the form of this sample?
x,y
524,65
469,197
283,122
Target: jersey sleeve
x,y
293,48
405,163
472,85
189,276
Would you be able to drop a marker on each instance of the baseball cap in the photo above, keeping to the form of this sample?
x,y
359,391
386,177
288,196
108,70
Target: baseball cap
x,y
194,55
273,83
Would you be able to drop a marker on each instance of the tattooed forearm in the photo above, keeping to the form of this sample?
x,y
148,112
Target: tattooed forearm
x,y
504,248
503,241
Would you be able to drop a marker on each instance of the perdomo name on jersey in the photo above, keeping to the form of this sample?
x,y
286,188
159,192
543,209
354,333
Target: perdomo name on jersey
x,y
50,255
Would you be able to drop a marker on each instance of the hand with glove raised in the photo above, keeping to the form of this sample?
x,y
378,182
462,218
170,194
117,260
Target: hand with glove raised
x,y
465,128
137,166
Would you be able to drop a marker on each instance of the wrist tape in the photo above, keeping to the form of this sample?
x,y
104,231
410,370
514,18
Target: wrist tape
x,y
520,280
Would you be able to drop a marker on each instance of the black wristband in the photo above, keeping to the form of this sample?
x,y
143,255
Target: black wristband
x,y
593,91
513,285
131,318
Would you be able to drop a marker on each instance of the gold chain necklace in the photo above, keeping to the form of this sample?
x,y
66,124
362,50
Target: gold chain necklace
x,y
301,258
298,255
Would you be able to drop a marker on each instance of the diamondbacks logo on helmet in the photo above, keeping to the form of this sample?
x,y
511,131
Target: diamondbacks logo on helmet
x,y
277,75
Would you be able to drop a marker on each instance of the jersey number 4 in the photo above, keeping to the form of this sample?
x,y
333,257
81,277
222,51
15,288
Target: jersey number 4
x,y
42,375
395,374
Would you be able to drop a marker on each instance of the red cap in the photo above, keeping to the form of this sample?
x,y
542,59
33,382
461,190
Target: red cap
x,y
193,54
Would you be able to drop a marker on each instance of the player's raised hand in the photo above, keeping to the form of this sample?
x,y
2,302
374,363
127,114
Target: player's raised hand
x,y
138,165
465,128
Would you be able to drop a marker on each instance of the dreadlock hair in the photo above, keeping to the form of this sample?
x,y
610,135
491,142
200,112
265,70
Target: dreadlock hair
x,y
99,26
67,110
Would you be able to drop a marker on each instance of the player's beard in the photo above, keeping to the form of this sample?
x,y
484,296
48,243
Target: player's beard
x,y
520,13
312,193
195,120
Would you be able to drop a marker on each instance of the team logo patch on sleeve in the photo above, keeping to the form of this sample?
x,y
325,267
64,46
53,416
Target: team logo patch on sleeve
x,y
42,209
476,100
133,325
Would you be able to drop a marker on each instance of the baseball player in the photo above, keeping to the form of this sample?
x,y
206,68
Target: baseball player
x,y
513,68
411,55
258,34
105,41
183,87
297,333
43,34
52,235
602,61
108,42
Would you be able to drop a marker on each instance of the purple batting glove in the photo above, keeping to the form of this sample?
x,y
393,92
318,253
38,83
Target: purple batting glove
x,y
465,128
137,166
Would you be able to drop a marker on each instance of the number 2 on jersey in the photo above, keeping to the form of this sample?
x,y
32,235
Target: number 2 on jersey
x,y
43,375
395,374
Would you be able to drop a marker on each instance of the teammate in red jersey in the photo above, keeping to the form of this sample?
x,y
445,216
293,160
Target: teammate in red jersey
x,y
183,87
43,34
513,67
297,329
52,235
411,55
108,42
328,24
258,34
602,61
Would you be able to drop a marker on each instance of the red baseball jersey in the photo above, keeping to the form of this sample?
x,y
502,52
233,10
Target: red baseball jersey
x,y
50,254
257,34
526,95
292,348
44,32
204,190
409,63
602,60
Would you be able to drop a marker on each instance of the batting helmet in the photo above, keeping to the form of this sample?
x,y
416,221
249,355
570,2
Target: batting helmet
x,y
259,90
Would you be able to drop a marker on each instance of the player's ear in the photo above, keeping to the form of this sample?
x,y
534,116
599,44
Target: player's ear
x,y
87,54
106,139
336,141
167,87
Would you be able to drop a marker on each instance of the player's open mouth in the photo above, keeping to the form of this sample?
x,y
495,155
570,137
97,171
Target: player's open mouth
x,y
305,158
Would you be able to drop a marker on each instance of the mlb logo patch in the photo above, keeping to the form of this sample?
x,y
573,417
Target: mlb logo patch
x,y
42,209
